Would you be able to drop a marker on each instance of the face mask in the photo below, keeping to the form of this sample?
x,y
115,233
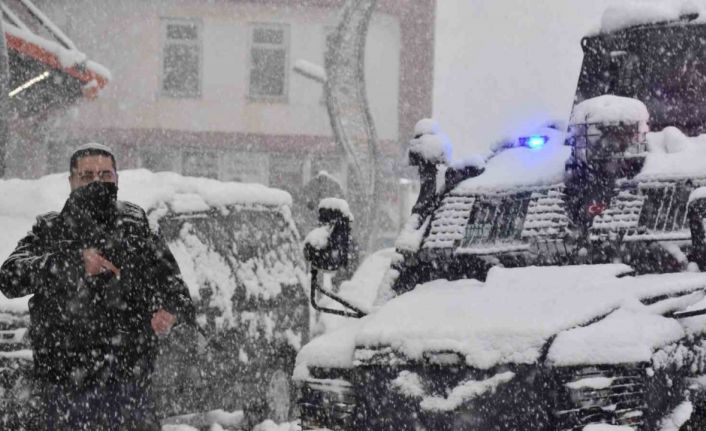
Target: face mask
x,y
95,201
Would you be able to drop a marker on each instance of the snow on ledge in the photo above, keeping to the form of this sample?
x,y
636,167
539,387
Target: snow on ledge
x,y
607,427
632,14
610,109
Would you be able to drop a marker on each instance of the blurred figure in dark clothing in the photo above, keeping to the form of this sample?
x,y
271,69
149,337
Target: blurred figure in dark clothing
x,y
105,286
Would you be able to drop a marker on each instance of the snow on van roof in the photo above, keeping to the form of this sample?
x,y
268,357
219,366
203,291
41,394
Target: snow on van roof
x,y
23,200
630,14
522,167
510,317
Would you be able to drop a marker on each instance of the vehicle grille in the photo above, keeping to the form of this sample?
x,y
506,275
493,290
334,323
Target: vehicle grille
x,y
327,403
612,395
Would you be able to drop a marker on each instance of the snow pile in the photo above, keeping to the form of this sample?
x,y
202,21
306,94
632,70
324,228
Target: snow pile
x,y
410,384
522,167
610,109
672,155
510,317
624,336
310,70
591,383
633,14
67,57
319,237
337,204
427,126
430,143
678,417
202,266
213,420
465,392
331,350
270,425
607,427
360,290
412,234
698,193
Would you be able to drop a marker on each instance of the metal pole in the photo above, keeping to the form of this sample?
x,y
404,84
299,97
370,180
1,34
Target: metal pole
x,y
4,99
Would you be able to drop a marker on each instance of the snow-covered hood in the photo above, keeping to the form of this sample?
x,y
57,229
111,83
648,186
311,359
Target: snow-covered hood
x,y
512,316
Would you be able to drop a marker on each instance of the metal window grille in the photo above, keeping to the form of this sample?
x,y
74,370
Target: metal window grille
x,y
269,54
665,208
181,58
601,141
499,219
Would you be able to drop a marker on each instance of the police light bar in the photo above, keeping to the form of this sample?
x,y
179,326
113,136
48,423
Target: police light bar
x,y
534,142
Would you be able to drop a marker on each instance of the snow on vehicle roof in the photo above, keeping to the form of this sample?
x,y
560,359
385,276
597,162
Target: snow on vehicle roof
x,y
632,14
511,316
672,155
522,167
610,109
23,200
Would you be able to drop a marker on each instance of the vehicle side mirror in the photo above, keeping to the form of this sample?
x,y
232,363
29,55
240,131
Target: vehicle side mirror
x,y
696,215
328,245
327,248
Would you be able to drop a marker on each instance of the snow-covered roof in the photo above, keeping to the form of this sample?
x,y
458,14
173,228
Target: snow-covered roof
x,y
610,109
630,14
510,317
521,167
32,33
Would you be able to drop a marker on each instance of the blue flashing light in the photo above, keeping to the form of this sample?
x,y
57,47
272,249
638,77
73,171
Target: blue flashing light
x,y
534,142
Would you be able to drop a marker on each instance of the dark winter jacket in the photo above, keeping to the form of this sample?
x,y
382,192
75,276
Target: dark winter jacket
x,y
87,328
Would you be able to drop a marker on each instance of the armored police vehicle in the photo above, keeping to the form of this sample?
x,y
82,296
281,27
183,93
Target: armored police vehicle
x,y
557,285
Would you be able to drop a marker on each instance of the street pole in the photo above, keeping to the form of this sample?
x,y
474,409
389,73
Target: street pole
x,y
4,99
349,113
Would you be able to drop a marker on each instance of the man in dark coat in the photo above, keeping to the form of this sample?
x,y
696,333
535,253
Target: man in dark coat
x,y
105,286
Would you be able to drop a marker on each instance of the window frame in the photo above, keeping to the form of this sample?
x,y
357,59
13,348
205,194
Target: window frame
x,y
215,153
164,23
286,43
509,231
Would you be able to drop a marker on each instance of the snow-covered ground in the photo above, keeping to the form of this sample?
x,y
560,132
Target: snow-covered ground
x,y
267,425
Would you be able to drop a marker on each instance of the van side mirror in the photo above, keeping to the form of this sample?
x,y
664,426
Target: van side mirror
x,y
696,215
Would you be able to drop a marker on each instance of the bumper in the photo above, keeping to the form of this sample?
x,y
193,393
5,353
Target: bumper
x,y
564,399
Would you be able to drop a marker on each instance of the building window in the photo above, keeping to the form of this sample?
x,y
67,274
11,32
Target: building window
x,y
199,163
286,172
246,167
269,48
181,58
